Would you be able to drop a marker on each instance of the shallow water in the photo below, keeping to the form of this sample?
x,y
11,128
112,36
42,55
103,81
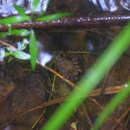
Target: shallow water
x,y
7,6
111,5
27,89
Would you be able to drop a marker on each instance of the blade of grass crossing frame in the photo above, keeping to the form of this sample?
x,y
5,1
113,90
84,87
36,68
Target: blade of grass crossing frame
x,y
33,49
90,80
118,99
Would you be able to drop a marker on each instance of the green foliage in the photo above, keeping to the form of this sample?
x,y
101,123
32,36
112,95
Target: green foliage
x,y
35,4
17,32
118,99
22,17
33,49
51,17
4,34
17,53
14,20
20,10
21,55
90,80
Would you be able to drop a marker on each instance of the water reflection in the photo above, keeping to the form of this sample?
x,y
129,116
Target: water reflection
x,y
7,6
125,4
2,54
44,56
7,128
111,5
21,45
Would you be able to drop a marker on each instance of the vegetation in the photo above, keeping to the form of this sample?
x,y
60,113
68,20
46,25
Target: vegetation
x,y
22,17
90,80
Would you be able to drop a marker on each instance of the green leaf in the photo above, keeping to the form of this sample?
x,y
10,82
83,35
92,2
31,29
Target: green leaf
x,y
20,10
14,19
118,99
3,34
7,54
21,32
51,17
33,49
35,4
21,55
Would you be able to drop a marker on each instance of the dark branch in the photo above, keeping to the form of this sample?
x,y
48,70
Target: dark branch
x,y
68,23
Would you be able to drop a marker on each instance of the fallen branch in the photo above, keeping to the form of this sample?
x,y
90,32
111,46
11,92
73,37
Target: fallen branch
x,y
73,22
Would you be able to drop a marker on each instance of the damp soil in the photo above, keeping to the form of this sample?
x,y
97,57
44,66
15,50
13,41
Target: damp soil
x,y
29,98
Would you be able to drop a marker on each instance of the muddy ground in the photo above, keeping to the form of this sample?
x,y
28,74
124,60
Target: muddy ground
x,y
28,99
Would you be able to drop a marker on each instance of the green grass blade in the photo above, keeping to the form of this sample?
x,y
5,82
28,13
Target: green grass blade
x,y
33,49
51,17
20,10
118,99
21,32
90,80
14,19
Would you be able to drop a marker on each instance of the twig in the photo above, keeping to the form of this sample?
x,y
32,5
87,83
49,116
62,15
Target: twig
x,y
97,92
83,109
120,119
59,75
96,103
8,45
94,93
59,100
45,104
45,67
73,22
107,91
